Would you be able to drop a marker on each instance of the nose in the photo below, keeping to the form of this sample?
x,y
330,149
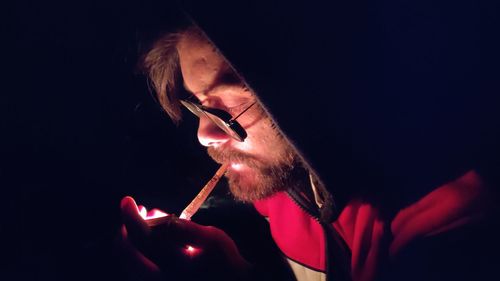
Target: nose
x,y
209,134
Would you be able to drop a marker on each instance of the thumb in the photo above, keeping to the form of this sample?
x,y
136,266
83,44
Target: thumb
x,y
136,227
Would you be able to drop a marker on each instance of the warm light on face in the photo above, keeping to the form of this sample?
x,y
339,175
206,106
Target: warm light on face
x,y
236,166
244,146
255,162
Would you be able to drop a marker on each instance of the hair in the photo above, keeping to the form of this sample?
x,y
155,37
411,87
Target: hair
x,y
161,65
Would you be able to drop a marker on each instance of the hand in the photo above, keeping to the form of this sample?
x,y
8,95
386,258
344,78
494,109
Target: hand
x,y
180,249
463,201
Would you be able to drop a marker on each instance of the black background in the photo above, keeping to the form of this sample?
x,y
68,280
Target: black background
x,y
80,130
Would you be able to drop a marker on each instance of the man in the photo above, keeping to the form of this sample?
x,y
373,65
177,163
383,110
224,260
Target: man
x,y
323,237
261,162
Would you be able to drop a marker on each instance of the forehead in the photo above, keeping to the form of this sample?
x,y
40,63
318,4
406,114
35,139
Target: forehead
x,y
200,62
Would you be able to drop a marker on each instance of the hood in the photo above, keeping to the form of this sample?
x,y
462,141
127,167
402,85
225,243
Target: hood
x,y
384,100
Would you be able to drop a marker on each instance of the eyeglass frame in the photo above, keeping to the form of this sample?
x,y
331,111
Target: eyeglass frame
x,y
231,127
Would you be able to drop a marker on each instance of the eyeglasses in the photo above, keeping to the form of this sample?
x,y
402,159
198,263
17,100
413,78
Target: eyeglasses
x,y
219,117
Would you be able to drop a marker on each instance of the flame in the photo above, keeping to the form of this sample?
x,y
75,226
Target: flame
x,y
153,214
143,211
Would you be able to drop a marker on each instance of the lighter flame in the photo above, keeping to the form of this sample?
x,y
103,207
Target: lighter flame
x,y
156,214
153,214
143,212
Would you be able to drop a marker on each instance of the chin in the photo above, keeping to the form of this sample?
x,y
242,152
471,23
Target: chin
x,y
249,183
249,188
238,180
244,186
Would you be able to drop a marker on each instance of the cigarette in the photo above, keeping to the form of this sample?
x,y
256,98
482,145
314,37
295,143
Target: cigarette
x,y
193,207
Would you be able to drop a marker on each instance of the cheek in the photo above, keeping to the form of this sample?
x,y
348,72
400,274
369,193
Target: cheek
x,y
248,145
266,141
254,143
257,136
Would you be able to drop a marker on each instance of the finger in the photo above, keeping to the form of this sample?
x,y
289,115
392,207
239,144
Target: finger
x,y
136,227
188,232
137,264
362,234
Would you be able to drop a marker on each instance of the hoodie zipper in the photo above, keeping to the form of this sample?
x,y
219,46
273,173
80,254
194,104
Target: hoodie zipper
x,y
304,205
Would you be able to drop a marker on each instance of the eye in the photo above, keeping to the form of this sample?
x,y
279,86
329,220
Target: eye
x,y
235,110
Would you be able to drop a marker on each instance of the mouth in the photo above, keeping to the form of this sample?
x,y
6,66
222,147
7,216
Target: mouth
x,y
238,161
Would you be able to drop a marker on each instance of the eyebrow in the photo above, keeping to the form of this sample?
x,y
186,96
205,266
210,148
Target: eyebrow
x,y
224,79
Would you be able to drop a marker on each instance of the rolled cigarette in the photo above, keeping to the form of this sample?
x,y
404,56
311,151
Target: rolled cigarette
x,y
193,207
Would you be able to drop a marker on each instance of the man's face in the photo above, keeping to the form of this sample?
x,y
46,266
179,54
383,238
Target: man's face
x,y
261,165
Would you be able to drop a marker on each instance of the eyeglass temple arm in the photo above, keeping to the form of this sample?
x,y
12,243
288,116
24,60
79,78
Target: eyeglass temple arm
x,y
243,111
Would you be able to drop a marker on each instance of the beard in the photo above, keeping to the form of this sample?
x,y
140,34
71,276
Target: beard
x,y
261,179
